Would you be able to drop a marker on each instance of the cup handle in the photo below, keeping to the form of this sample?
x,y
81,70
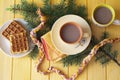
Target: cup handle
x,y
83,40
116,22
85,35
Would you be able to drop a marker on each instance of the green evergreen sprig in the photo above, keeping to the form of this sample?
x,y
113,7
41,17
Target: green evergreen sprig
x,y
53,12
105,53
28,11
34,52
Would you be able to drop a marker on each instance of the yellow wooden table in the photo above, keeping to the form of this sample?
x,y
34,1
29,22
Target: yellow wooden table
x,y
24,68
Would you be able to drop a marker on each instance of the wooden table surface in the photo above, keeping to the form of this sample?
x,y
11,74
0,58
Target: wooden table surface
x,y
24,68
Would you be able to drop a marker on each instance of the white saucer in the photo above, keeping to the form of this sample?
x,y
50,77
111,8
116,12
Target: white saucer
x,y
69,49
5,44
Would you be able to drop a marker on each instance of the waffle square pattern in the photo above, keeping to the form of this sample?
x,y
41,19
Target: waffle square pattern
x,y
13,28
17,37
19,43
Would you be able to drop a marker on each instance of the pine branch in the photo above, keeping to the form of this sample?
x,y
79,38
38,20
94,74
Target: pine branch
x,y
33,54
106,52
71,6
111,55
74,59
28,11
53,12
104,35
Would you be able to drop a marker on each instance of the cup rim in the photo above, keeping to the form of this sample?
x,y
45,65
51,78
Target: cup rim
x,y
108,7
80,31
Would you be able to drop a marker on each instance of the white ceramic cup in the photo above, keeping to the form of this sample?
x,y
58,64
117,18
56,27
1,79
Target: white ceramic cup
x,y
71,33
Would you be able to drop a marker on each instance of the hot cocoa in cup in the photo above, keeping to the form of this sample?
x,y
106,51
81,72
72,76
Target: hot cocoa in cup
x,y
104,15
71,32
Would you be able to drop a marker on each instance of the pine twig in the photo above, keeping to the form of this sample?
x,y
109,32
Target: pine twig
x,y
112,57
33,54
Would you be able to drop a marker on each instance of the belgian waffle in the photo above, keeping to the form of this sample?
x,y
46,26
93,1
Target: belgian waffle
x,y
19,43
13,28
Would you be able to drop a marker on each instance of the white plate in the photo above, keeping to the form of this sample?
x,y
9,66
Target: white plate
x,y
69,49
5,44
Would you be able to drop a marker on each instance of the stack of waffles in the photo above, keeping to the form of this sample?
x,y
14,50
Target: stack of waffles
x,y
16,34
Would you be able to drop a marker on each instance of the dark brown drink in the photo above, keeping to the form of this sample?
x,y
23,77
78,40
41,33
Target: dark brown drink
x,y
70,32
102,15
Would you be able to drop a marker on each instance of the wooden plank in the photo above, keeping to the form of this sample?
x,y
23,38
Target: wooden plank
x,y
5,67
113,70
34,74
95,70
5,15
5,61
21,69
1,14
58,65
21,66
39,3
44,66
81,2
74,68
55,1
